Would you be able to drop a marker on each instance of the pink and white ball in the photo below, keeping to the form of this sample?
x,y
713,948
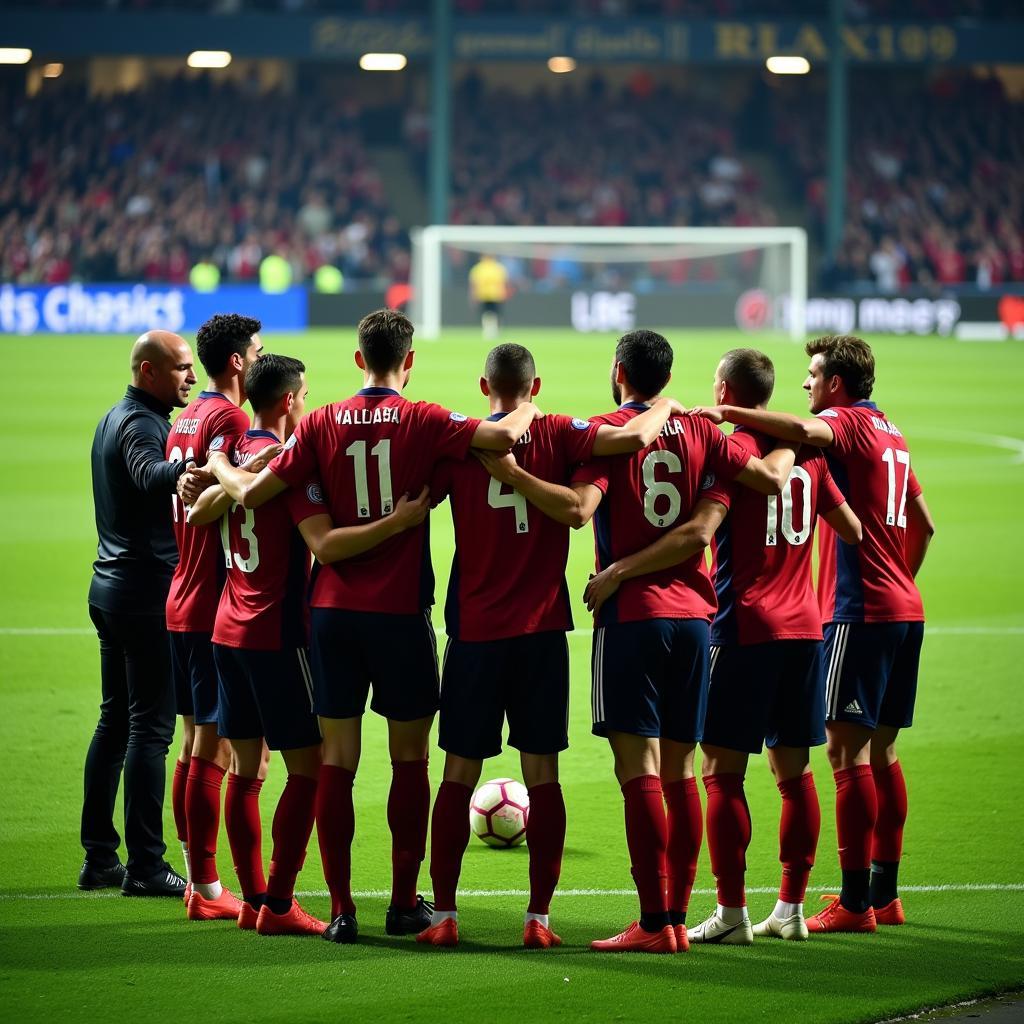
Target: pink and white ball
x,y
499,811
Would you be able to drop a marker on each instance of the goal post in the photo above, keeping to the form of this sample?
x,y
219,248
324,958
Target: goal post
x,y
769,260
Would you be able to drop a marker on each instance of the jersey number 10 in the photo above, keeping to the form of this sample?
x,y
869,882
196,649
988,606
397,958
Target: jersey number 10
x,y
792,532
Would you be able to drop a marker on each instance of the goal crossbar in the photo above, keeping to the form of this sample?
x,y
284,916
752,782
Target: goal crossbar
x,y
429,241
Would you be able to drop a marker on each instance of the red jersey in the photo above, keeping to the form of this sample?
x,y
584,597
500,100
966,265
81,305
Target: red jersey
x,y
208,422
368,451
508,574
263,604
762,552
649,492
870,581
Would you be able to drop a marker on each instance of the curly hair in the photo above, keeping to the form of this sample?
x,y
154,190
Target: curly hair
x,y
221,337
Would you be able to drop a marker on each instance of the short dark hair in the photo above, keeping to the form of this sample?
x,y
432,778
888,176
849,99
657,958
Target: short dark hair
x,y
646,358
510,370
846,357
385,337
270,378
221,337
749,374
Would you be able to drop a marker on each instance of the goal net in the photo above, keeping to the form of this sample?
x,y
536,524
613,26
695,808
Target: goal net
x,y
614,279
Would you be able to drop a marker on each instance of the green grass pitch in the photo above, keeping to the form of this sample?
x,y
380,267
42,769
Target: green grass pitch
x,y
69,956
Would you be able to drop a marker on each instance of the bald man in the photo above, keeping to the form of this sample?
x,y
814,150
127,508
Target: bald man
x,y
133,485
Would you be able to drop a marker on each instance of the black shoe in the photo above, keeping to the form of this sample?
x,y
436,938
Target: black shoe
x,y
342,929
91,877
166,882
409,922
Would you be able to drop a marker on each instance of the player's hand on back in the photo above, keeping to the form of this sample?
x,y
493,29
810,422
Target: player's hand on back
x,y
501,467
677,408
411,511
264,458
715,413
600,587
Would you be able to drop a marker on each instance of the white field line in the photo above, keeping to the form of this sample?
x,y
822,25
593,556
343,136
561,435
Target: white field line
x,y
581,631
1011,444
763,890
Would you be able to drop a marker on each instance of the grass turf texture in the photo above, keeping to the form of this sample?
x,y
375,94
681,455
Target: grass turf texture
x,y
89,957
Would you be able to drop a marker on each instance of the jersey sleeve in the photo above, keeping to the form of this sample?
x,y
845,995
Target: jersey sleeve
x,y
594,472
305,502
577,438
843,425
452,432
441,482
298,461
226,426
829,495
726,456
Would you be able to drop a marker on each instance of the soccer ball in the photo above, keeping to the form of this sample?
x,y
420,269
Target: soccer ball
x,y
499,811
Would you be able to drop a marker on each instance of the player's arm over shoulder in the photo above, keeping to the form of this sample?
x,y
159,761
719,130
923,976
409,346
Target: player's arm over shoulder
x,y
813,430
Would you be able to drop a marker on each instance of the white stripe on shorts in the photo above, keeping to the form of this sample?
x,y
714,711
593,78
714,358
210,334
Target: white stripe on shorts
x,y
597,678
307,676
835,669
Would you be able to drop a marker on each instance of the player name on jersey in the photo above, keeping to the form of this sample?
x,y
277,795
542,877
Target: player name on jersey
x,y
347,417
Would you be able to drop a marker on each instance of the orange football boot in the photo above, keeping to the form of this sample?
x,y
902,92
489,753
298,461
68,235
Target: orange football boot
x,y
226,907
891,913
295,921
247,917
444,933
682,942
187,894
635,940
836,918
537,936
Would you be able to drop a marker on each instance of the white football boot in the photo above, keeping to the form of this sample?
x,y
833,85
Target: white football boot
x,y
715,930
793,928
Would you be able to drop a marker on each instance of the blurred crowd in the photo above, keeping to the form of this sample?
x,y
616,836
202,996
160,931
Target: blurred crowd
x,y
935,182
641,155
142,185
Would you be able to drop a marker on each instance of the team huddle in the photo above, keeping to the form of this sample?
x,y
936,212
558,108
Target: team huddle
x,y
274,650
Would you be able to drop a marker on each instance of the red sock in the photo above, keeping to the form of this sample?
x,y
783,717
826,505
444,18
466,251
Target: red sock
x,y
449,834
891,794
293,824
685,834
335,827
202,812
728,836
245,833
408,815
178,785
647,839
545,836
799,826
856,811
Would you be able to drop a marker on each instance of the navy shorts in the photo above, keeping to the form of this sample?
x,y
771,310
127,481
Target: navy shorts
x,y
871,672
395,654
523,678
268,694
650,678
772,693
195,676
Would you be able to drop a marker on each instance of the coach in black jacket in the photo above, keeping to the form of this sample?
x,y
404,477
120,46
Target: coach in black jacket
x,y
132,487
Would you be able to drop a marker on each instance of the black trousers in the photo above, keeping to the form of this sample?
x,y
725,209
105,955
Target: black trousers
x,y
133,735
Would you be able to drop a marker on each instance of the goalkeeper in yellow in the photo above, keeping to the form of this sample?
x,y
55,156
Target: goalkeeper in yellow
x,y
488,287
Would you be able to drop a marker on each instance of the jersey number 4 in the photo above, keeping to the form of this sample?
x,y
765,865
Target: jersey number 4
x,y
794,533
514,500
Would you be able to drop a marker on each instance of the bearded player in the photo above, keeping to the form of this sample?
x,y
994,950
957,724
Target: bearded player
x,y
507,614
650,647
227,346
371,622
873,616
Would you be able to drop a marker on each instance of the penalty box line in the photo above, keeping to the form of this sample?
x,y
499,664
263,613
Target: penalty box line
x,y
763,890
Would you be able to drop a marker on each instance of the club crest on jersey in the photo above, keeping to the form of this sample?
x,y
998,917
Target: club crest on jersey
x,y
580,424
457,417
217,443
291,442
315,494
